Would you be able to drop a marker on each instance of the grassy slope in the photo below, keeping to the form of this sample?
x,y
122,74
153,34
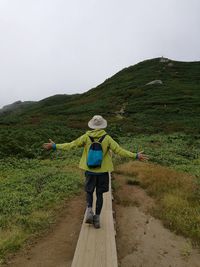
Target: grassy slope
x,y
170,107
164,109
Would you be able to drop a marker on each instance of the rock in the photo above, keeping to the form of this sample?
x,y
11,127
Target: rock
x,y
121,112
170,64
155,82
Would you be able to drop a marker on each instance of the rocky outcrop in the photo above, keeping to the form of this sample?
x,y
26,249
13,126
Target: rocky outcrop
x,y
155,82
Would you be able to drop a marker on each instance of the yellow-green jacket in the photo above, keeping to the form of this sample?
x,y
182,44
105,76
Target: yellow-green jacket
x,y
107,144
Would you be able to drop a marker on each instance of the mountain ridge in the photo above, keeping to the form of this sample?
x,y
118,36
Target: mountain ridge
x,y
130,106
117,73
127,101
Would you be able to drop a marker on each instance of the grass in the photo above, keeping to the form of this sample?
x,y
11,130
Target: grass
x,y
132,181
177,196
180,151
11,240
33,188
31,193
163,120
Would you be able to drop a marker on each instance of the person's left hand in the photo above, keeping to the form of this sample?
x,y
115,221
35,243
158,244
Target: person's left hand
x,y
48,146
142,156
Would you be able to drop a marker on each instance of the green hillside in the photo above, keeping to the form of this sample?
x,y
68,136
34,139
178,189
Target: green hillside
x,y
162,119
125,100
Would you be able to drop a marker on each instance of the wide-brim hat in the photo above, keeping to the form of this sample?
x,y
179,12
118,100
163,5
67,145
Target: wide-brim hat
x,y
97,122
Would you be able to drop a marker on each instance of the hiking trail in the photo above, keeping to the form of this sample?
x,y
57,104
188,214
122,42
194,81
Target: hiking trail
x,y
142,240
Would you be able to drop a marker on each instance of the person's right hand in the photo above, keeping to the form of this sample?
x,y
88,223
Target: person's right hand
x,y
48,146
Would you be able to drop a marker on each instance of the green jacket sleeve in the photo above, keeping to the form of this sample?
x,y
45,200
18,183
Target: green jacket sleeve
x,y
79,142
114,146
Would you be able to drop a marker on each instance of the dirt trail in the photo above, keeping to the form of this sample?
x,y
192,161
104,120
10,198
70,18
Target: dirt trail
x,y
142,241
57,248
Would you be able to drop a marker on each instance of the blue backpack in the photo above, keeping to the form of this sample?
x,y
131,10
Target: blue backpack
x,y
95,153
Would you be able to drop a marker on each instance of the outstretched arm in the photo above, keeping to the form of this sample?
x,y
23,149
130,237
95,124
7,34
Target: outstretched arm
x,y
79,142
115,147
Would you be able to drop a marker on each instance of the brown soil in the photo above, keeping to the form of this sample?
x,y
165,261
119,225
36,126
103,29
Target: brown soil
x,y
142,241
57,248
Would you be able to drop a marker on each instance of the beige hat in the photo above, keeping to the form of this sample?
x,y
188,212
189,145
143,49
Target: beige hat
x,y
97,122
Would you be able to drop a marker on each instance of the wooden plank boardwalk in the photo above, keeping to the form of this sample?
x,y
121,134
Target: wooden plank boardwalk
x,y
97,247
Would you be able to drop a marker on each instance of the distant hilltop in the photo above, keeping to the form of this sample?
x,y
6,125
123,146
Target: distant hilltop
x,y
16,105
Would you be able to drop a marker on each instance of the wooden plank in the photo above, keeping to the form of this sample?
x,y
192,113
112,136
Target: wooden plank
x,y
97,247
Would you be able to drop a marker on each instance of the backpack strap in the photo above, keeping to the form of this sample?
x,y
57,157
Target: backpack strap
x,y
91,139
101,139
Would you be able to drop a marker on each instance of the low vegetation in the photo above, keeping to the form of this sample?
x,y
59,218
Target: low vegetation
x,y
180,151
177,195
31,193
175,184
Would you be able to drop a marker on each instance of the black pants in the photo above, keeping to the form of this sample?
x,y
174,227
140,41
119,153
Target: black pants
x,y
100,182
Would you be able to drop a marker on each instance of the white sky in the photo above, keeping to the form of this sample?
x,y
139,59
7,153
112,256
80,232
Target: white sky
x,y
52,47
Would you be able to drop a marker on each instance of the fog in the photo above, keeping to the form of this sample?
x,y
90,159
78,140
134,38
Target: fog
x,y
52,47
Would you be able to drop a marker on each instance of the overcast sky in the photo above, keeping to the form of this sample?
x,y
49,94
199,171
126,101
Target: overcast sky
x,y
52,47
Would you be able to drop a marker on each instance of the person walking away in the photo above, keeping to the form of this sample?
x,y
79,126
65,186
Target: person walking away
x,y
96,161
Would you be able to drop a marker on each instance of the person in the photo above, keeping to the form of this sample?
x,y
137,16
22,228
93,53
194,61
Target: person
x,y
96,177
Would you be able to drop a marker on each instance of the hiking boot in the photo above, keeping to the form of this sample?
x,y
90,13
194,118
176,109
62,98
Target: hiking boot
x,y
89,216
96,221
